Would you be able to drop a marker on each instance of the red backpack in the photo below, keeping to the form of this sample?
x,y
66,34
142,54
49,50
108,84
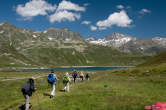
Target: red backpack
x,y
157,106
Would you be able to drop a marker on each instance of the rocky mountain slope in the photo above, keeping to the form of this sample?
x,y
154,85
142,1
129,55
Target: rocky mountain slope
x,y
156,60
56,47
126,43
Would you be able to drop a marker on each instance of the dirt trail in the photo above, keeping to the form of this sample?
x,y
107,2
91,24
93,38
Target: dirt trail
x,y
19,78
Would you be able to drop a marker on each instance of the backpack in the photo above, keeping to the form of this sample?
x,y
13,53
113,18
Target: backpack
x,y
65,79
51,78
75,74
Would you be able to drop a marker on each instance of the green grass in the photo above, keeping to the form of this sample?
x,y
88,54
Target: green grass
x,y
93,55
128,89
156,60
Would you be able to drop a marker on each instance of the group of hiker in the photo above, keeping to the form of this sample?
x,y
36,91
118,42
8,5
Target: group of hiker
x,y
28,88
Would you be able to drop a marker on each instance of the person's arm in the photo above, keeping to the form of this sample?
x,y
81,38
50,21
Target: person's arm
x,y
56,78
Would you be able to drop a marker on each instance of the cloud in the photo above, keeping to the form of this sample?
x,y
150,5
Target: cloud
x,y
66,11
34,8
86,22
63,16
143,11
120,19
67,5
120,6
93,28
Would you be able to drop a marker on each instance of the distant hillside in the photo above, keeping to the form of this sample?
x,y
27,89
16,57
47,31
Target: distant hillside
x,y
56,47
156,60
129,44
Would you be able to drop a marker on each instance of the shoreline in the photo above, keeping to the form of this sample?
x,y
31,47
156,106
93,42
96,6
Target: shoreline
x,y
60,68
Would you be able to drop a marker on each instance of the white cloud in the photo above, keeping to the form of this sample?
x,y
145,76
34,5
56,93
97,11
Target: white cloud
x,y
34,8
67,5
66,11
86,22
93,28
120,6
120,19
143,11
64,15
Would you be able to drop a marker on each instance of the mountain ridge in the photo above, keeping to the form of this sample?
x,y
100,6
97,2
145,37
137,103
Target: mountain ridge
x,y
57,47
127,43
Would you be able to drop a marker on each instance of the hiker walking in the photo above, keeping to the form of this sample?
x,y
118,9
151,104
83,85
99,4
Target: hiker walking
x,y
82,76
87,76
66,82
27,90
75,76
52,80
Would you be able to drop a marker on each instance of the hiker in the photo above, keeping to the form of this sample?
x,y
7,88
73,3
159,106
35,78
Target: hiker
x,y
75,76
52,80
87,76
82,76
66,82
27,90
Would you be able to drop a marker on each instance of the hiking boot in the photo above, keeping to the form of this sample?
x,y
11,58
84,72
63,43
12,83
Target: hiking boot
x,y
51,96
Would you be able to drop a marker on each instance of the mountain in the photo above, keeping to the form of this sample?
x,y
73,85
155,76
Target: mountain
x,y
156,60
126,43
56,47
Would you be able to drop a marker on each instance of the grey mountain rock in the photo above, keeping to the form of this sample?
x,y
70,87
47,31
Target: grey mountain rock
x,y
126,43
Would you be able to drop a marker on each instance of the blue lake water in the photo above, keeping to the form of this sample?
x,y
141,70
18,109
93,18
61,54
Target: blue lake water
x,y
63,69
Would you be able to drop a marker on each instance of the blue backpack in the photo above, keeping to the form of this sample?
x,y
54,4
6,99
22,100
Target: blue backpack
x,y
51,78
75,74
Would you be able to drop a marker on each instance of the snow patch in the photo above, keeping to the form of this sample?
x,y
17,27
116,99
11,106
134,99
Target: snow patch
x,y
1,24
34,36
1,32
67,39
50,38
160,40
115,40
45,32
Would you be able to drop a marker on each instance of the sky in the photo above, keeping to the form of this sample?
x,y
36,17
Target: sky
x,y
90,18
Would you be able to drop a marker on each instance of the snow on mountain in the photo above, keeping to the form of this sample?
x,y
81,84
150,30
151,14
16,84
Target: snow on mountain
x,y
115,40
160,40
126,43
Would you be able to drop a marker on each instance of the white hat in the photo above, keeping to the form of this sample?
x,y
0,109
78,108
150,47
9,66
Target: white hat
x,y
67,73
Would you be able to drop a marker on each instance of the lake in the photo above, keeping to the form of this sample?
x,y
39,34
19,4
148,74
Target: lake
x,y
63,69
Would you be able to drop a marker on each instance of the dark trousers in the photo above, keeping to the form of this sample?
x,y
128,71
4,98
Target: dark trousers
x,y
74,79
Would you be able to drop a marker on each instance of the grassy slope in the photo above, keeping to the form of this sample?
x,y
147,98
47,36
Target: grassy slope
x,y
156,60
129,89
93,55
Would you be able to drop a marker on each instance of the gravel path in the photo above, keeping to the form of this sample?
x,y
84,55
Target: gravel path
x,y
18,78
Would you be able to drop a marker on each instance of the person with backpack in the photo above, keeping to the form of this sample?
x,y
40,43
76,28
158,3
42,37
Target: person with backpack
x,y
52,81
74,76
87,76
27,90
82,76
66,82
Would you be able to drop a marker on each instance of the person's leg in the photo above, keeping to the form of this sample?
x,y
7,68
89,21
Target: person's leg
x,y
65,86
53,89
68,87
27,102
74,79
